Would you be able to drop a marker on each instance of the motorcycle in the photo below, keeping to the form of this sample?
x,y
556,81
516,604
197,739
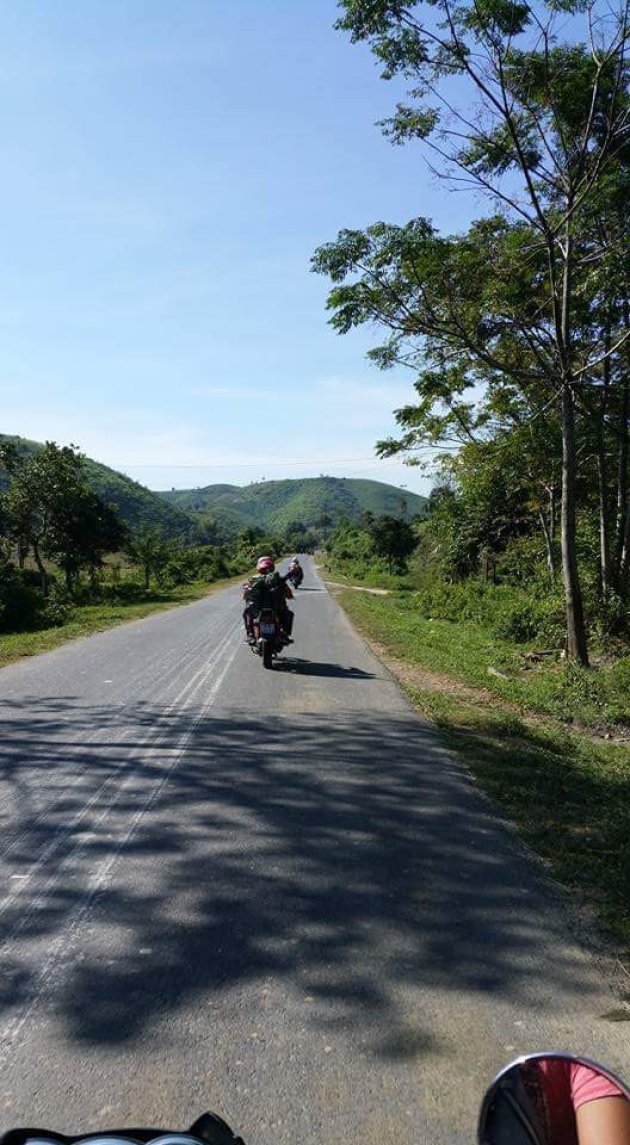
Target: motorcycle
x,y
540,1099
267,636
295,575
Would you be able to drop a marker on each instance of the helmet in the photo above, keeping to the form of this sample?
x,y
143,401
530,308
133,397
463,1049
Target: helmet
x,y
295,561
265,564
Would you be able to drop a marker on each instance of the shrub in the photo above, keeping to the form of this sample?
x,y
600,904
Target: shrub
x,y
57,609
23,606
510,613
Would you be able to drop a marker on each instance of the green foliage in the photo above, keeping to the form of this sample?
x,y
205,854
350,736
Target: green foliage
x,y
151,550
138,507
23,606
377,551
515,330
350,550
507,612
468,650
141,509
191,565
393,539
218,514
50,510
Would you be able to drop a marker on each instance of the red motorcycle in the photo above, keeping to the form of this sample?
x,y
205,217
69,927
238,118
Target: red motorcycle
x,y
268,637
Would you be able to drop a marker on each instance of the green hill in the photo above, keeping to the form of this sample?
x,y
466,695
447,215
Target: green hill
x,y
138,506
218,513
275,504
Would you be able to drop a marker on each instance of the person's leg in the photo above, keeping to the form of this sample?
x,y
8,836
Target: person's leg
x,y
286,621
248,620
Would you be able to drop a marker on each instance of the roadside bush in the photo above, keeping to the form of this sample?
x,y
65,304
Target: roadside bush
x,y
203,563
509,613
58,607
20,607
595,696
530,618
100,590
128,592
23,606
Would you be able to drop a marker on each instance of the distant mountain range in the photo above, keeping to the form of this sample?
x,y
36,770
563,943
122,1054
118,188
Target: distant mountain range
x,y
312,501
221,512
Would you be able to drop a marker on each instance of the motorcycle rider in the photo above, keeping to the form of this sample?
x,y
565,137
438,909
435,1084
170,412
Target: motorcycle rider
x,y
267,587
296,572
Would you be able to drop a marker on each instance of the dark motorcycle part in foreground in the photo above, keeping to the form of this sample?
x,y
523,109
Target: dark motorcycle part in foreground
x,y
209,1129
541,1099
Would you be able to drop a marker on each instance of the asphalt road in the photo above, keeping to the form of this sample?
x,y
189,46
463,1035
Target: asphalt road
x,y
269,893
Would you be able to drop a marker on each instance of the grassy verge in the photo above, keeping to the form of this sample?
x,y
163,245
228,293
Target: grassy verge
x,y
567,791
598,699
90,618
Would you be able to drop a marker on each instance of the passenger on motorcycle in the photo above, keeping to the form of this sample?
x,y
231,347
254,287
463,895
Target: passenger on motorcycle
x,y
295,573
267,587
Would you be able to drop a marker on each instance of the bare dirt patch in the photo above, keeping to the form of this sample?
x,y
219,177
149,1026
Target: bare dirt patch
x,y
335,584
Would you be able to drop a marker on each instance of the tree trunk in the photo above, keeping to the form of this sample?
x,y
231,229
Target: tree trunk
x,y
623,513
604,549
40,565
576,631
553,512
548,544
602,481
624,566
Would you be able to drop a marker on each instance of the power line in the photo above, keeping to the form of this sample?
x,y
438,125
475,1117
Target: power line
x,y
246,464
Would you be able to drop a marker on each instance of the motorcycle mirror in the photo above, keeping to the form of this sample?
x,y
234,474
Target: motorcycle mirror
x,y
555,1099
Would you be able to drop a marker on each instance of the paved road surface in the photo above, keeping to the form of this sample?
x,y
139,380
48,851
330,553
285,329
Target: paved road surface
x,y
271,893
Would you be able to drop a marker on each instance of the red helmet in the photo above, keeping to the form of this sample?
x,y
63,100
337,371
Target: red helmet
x,y
265,564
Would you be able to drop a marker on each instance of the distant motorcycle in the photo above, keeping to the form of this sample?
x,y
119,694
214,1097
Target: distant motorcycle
x,y
295,575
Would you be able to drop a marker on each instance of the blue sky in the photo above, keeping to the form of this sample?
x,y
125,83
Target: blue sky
x,y
168,170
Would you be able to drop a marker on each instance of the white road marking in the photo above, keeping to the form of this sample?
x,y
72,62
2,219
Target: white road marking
x,y
65,939
12,840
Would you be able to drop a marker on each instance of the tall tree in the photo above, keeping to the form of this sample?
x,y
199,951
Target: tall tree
x,y
151,550
538,127
393,539
53,513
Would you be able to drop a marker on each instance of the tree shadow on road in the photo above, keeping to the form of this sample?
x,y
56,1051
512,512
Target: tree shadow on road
x,y
347,855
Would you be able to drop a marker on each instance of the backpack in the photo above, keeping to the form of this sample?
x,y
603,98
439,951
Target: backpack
x,y
262,591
